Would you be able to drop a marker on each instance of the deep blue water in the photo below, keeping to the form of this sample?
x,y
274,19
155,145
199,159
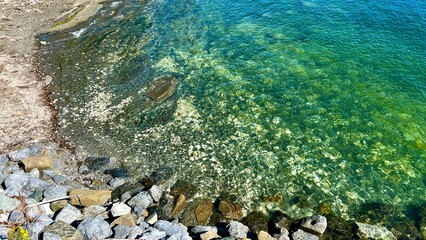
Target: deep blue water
x,y
311,101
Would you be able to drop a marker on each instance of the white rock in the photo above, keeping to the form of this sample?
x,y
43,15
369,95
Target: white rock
x,y
151,219
120,209
156,193
237,229
68,214
302,235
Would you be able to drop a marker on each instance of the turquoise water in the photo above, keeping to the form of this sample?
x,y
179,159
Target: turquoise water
x,y
302,101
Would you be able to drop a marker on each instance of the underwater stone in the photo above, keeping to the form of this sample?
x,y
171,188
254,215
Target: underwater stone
x,y
117,172
96,163
256,221
162,88
183,187
367,231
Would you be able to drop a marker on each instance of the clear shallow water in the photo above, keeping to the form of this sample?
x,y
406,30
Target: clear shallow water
x,y
311,101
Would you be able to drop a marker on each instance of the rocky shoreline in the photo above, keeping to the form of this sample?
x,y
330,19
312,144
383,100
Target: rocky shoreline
x,y
53,193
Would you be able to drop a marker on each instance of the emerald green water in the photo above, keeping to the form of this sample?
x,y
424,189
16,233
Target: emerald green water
x,y
311,101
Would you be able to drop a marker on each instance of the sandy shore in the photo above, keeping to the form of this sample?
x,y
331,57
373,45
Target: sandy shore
x,y
25,116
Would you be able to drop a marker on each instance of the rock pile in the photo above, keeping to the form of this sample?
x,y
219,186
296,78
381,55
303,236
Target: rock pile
x,y
51,206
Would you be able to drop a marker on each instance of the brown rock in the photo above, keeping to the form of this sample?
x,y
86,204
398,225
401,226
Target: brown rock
x,y
83,197
128,220
162,88
230,210
180,204
39,162
209,235
262,235
203,211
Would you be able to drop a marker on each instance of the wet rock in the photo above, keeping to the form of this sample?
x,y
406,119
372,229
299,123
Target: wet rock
x,y
64,230
230,210
140,202
156,192
164,210
203,211
55,191
302,235
187,217
183,188
94,228
180,204
83,197
16,217
162,88
120,209
152,219
39,162
209,235
237,229
126,220
170,229
367,231
68,214
7,203
262,235
121,231
116,182
117,172
256,221
316,223
96,163
19,155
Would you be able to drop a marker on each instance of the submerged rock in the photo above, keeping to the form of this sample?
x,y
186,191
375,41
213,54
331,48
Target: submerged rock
x,y
162,88
367,231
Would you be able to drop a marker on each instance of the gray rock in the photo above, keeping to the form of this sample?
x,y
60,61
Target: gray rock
x,y
63,230
117,172
34,229
83,169
237,229
3,232
202,229
94,228
35,150
116,182
302,235
34,184
55,191
4,217
170,229
17,181
92,211
19,155
135,232
144,226
284,234
125,196
2,178
44,220
7,203
173,237
156,192
316,223
120,209
153,234
17,217
367,231
121,231
68,214
140,202
3,162
37,195
59,179
51,236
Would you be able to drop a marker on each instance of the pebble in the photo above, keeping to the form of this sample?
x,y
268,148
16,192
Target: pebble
x,y
7,203
156,192
152,219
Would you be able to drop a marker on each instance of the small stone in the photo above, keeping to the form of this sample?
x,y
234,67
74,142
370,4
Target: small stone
x,y
316,223
83,169
97,163
262,235
151,219
229,210
121,231
153,234
367,231
55,191
156,192
83,197
19,155
17,217
94,228
237,229
3,162
302,235
284,234
7,203
209,235
203,229
115,182
51,236
58,205
43,43
179,230
126,220
39,162
117,172
203,211
162,88
35,173
140,202
68,214
125,196
120,209
92,211
63,230
180,204
135,232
